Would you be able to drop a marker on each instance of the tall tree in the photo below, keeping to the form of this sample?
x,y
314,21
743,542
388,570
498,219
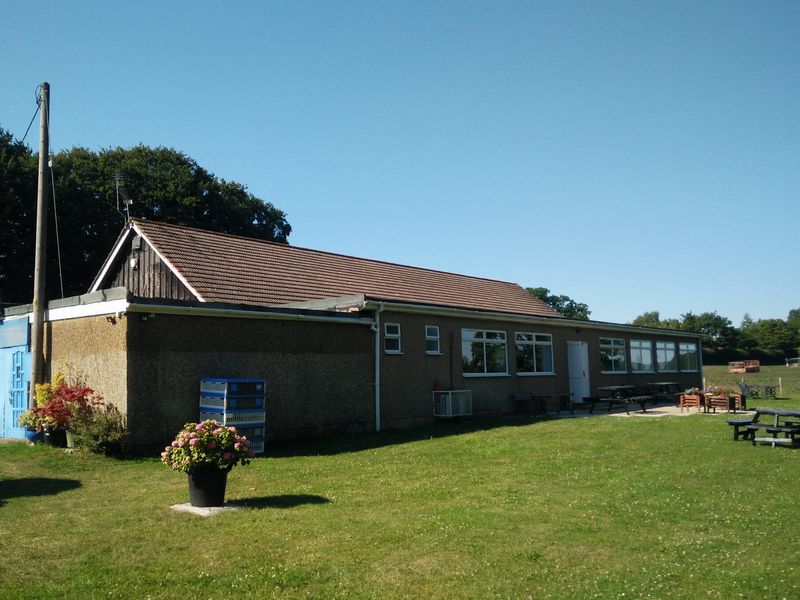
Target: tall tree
x,y
774,334
720,330
563,304
18,169
164,185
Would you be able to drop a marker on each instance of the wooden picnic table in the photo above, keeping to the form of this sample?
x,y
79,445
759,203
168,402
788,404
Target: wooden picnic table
x,y
784,421
619,394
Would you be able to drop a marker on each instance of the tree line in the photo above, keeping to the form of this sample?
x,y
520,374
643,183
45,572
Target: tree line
x,y
91,189
771,340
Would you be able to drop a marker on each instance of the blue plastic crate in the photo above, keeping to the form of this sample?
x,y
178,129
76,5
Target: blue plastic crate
x,y
230,387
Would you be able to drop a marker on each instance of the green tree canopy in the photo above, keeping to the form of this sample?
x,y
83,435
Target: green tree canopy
x,y
164,185
720,331
653,319
774,334
563,304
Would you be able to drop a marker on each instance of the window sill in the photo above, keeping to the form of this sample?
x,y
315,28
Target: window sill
x,y
486,374
433,353
526,374
392,352
643,372
613,372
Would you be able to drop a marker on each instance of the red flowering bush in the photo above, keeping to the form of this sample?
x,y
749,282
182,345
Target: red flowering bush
x,y
207,446
58,402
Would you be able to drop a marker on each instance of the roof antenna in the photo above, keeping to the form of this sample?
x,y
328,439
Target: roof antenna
x,y
126,201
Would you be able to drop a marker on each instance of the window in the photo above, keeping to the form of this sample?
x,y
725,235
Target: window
x,y
391,338
534,353
666,359
612,355
641,356
687,357
432,339
483,352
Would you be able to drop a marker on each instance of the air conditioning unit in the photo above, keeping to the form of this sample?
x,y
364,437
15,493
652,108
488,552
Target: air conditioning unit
x,y
452,403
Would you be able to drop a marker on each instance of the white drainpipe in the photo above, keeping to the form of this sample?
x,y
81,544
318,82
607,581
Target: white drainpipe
x,y
376,327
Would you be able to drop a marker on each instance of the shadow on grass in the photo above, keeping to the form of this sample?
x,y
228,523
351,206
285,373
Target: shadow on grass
x,y
356,442
282,501
35,486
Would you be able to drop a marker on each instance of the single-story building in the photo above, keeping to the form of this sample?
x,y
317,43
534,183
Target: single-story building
x,y
345,344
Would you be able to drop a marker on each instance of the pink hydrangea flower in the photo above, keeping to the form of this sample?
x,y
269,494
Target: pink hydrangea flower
x,y
174,444
194,442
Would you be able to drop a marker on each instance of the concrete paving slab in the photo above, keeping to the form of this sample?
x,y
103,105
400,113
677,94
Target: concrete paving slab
x,y
207,511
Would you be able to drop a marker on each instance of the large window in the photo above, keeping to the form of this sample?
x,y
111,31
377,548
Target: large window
x,y
534,353
432,339
641,356
666,359
391,338
612,355
483,352
687,357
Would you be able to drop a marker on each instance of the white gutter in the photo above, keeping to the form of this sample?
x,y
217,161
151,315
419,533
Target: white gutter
x,y
376,327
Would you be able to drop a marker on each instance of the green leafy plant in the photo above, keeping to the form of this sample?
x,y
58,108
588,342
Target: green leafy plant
x,y
206,446
102,429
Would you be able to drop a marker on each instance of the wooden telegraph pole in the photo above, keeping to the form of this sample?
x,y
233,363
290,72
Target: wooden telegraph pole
x,y
39,299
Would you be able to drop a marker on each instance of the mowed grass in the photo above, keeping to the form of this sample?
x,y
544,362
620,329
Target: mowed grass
x,y
600,507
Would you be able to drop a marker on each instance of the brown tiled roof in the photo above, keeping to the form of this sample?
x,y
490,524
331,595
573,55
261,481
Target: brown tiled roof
x,y
239,270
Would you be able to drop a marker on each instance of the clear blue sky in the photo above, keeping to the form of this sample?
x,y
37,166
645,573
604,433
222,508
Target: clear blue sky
x,y
634,155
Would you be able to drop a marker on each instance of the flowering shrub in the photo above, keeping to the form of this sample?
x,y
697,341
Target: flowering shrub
x,y
206,446
57,403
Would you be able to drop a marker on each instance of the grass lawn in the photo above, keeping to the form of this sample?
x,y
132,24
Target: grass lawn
x,y
599,507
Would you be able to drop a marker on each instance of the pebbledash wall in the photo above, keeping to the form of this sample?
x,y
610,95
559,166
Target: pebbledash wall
x,y
318,373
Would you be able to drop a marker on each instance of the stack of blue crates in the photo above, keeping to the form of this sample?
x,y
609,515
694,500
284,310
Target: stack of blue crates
x,y
236,402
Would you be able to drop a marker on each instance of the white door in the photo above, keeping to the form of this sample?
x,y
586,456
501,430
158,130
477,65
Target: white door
x,y
578,359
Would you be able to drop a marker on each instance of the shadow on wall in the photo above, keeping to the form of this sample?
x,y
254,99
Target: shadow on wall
x,y
35,486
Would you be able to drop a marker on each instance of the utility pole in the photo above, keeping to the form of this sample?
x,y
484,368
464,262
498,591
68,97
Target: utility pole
x,y
39,298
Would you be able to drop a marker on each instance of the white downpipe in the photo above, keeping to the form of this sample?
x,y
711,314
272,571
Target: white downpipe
x,y
377,329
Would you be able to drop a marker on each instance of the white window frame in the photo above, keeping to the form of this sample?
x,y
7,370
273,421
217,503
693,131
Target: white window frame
x,y
641,348
685,346
617,351
661,356
390,335
535,341
502,339
432,335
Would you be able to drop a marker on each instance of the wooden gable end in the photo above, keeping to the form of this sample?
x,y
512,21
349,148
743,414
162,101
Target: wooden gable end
x,y
144,274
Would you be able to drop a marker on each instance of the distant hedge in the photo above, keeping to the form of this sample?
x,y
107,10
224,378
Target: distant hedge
x,y
726,355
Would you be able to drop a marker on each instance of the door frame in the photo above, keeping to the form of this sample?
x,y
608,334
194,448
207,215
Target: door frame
x,y
578,371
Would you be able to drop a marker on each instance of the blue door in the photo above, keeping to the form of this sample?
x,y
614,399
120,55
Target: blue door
x,y
15,376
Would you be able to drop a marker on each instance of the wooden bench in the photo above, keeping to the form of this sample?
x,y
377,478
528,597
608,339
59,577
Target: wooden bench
x,y
789,434
624,401
740,429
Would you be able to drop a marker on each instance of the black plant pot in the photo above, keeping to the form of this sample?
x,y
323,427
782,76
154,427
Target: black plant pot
x,y
55,437
207,488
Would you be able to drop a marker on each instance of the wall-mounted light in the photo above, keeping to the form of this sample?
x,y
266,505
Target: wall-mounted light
x,y
134,264
111,319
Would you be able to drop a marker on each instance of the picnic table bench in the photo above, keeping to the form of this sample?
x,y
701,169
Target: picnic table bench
x,y
786,422
624,395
